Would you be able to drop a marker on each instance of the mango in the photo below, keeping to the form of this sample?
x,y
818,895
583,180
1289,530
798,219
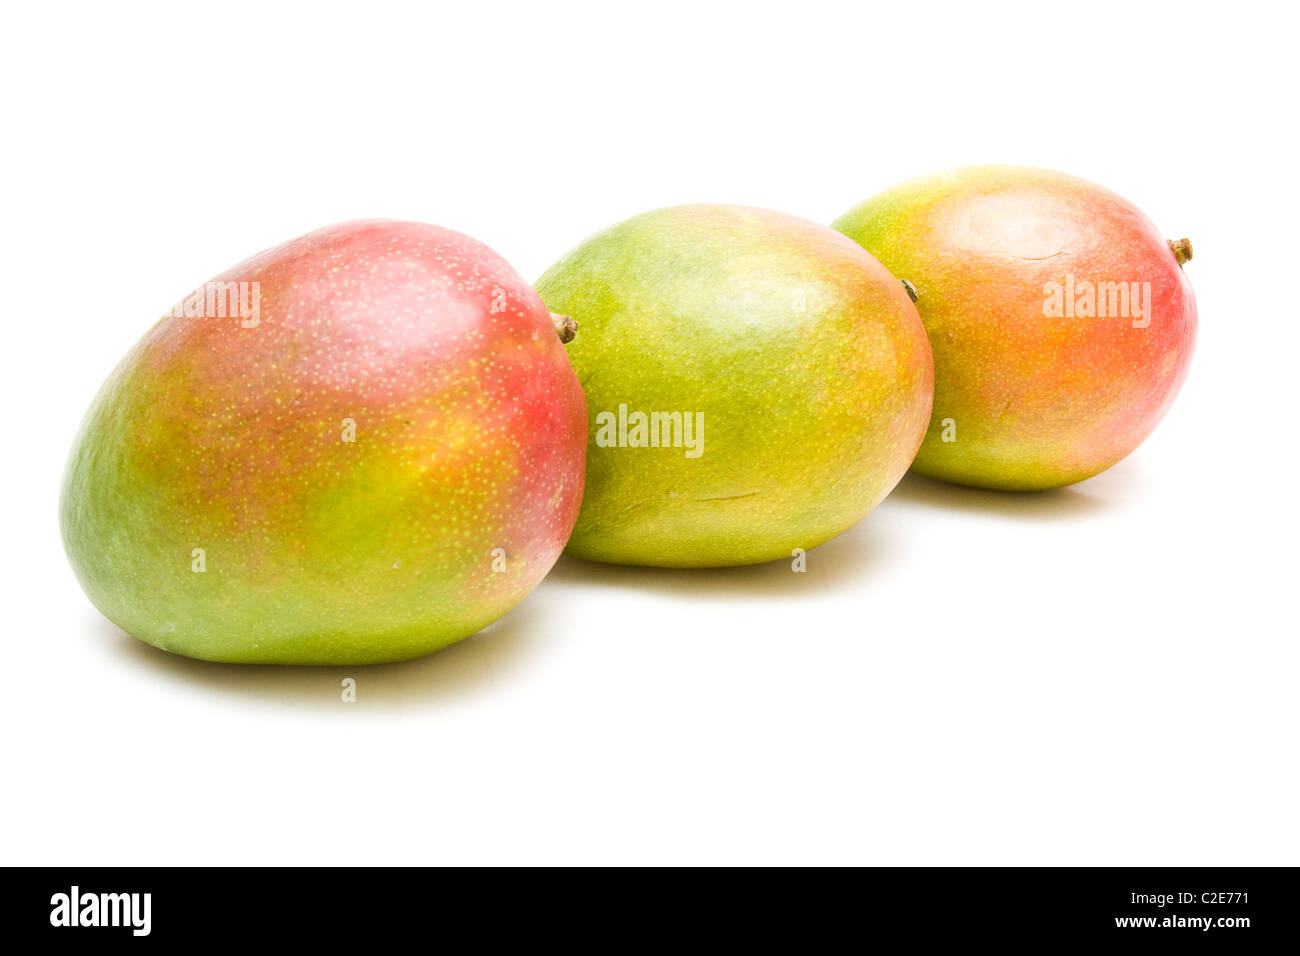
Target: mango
x,y
756,384
359,446
1061,321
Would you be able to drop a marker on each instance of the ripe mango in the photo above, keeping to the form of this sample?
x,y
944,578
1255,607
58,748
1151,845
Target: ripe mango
x,y
358,446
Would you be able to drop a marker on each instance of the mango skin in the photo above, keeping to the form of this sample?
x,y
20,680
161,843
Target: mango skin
x,y
805,356
470,436
1034,402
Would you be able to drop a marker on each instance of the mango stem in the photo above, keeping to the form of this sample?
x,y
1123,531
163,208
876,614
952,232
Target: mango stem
x,y
565,327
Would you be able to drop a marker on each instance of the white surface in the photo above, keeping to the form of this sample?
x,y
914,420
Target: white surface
x,y
1102,675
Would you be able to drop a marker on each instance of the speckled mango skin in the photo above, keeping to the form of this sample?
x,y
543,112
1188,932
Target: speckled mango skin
x,y
805,356
1034,401
470,435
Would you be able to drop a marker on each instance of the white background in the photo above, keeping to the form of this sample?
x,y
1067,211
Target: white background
x,y
1099,675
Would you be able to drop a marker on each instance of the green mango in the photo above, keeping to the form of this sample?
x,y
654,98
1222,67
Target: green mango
x,y
755,383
